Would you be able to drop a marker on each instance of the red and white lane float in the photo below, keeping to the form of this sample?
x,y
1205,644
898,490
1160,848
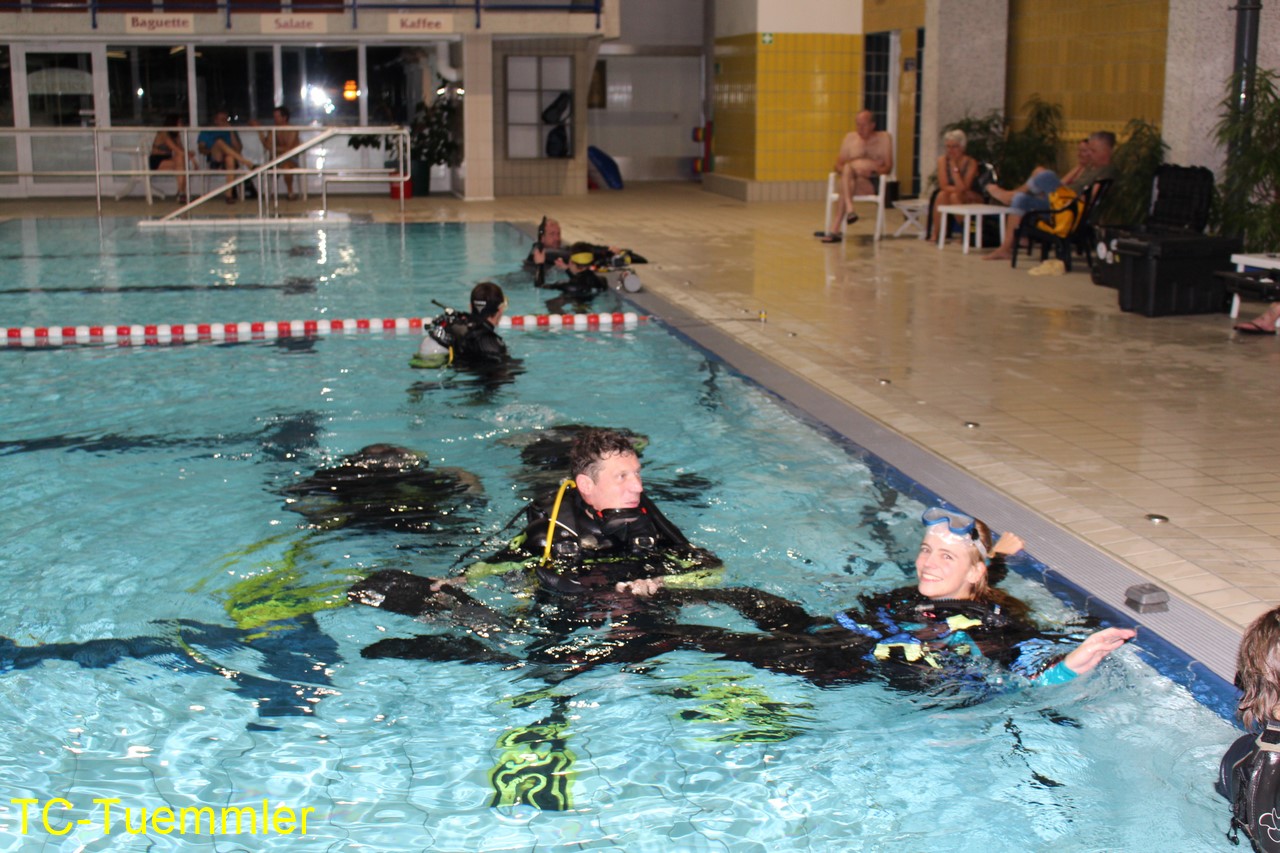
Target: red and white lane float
x,y
177,333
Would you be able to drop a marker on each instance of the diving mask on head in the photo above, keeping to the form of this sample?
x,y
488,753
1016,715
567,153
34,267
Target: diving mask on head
x,y
952,527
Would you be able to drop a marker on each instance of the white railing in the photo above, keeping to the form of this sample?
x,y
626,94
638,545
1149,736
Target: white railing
x,y
92,154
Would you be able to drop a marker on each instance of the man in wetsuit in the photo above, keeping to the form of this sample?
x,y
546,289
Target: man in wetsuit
x,y
480,344
597,551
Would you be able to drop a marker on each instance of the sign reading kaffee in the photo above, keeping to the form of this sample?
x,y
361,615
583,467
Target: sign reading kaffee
x,y
409,22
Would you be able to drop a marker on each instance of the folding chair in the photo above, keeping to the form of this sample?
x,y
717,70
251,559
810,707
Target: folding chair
x,y
879,198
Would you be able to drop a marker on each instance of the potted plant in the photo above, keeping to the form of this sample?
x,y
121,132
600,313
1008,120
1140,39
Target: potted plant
x,y
1014,153
432,141
1249,196
1136,160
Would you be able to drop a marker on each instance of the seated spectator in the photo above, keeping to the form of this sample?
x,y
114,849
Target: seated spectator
x,y
169,155
866,154
1263,324
957,172
276,142
1034,194
223,149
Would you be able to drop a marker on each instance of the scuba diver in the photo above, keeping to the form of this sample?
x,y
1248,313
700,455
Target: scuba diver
x,y
549,252
1249,775
582,285
469,342
595,554
953,634
295,658
386,487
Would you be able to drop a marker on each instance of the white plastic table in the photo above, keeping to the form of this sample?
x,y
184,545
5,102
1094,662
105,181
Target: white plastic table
x,y
1242,262
970,212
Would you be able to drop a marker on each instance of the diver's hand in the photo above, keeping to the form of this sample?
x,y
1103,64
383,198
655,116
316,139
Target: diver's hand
x,y
539,255
1097,646
1008,544
642,588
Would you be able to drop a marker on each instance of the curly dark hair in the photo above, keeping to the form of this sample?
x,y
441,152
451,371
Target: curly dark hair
x,y
592,446
1258,670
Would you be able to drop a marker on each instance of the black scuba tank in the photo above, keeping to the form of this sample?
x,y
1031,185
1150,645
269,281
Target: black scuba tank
x,y
1255,792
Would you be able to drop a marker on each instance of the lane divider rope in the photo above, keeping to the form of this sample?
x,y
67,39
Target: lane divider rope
x,y
162,333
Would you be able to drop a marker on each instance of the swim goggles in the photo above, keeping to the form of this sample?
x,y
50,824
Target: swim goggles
x,y
960,527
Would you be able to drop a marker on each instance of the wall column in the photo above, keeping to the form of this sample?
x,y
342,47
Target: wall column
x,y
477,117
966,50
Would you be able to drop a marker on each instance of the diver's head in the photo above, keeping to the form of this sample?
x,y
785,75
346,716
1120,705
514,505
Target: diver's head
x,y
1258,670
606,470
549,233
488,302
581,256
385,457
952,562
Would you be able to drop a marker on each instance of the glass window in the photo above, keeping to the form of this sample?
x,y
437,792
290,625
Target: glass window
x,y
539,106
313,82
146,83
8,145
225,80
876,70
394,83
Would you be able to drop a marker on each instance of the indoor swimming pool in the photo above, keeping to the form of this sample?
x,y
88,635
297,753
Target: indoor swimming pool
x,y
177,634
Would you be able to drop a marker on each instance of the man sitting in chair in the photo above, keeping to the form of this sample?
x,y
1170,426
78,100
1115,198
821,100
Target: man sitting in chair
x,y
223,148
865,155
1034,194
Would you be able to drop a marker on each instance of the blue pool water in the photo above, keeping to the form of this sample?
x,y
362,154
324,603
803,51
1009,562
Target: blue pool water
x,y
143,489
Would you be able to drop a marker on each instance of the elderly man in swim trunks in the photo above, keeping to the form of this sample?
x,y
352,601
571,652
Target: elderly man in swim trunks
x,y
866,154
1034,194
280,141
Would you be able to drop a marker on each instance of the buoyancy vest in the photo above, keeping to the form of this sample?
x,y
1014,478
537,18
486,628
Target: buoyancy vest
x,y
1252,782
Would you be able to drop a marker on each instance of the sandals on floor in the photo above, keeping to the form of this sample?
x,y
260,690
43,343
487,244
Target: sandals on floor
x,y
832,238
1251,327
851,218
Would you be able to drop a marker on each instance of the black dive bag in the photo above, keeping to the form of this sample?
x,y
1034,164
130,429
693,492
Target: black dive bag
x,y
1254,782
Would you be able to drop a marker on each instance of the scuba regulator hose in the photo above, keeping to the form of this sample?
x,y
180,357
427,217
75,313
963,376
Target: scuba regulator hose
x,y
551,523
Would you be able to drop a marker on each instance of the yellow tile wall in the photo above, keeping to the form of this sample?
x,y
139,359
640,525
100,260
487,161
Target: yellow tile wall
x,y
1102,60
784,103
880,16
734,139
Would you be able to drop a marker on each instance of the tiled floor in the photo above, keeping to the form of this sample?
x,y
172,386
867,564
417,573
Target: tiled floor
x,y
1087,416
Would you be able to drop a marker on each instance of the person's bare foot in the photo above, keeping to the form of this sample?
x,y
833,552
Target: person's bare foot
x,y
998,255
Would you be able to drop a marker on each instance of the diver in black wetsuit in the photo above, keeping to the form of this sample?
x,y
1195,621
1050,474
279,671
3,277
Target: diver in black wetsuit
x,y
480,345
950,634
1249,775
582,286
595,553
295,658
386,487
549,253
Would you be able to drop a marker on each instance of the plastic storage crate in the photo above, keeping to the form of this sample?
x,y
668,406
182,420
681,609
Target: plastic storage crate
x,y
1174,273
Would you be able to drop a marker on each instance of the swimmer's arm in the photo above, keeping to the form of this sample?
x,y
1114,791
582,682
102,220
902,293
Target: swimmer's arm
x,y
1084,657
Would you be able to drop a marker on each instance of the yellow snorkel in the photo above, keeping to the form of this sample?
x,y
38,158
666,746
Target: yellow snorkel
x,y
551,523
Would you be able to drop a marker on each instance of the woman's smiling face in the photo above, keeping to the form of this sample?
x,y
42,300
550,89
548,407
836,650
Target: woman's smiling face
x,y
947,567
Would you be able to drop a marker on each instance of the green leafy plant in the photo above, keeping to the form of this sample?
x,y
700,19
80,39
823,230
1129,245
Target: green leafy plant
x,y
432,136
1249,195
1014,153
1136,160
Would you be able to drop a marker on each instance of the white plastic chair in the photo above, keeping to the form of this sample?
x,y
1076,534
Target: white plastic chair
x,y
882,191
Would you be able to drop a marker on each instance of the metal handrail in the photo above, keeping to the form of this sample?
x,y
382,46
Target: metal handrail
x,y
102,137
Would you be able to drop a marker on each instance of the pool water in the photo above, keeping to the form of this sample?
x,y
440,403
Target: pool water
x,y
144,521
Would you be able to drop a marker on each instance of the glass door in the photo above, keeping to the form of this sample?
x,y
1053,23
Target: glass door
x,y
62,90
